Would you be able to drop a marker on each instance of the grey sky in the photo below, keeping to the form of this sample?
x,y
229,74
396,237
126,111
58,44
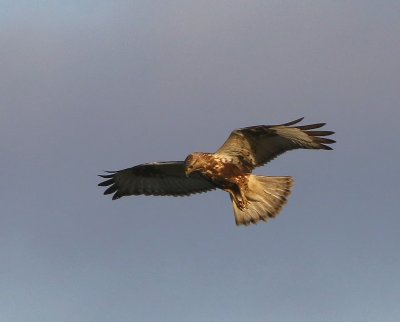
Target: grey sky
x,y
87,86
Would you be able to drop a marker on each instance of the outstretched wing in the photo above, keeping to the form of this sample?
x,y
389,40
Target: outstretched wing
x,y
157,179
256,145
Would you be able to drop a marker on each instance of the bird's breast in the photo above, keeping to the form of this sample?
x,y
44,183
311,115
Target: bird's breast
x,y
223,174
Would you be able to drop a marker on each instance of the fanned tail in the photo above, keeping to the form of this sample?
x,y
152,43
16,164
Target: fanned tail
x,y
265,198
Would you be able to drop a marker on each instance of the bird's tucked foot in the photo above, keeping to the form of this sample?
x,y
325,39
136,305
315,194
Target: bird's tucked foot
x,y
240,201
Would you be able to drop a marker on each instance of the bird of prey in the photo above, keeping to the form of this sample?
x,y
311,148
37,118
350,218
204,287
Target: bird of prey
x,y
253,197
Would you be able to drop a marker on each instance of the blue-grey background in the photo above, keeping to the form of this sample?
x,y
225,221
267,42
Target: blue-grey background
x,y
87,86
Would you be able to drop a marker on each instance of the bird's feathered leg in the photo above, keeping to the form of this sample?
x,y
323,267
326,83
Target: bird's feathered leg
x,y
238,200
238,196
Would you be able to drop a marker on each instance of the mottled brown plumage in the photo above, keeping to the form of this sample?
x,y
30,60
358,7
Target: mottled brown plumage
x,y
254,198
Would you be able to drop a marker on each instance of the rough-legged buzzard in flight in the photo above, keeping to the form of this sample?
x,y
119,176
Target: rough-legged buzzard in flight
x,y
254,198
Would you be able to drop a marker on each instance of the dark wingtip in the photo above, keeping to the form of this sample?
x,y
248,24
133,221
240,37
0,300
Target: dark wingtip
x,y
294,122
325,147
324,140
109,175
311,126
105,176
110,178
116,196
110,190
106,183
320,133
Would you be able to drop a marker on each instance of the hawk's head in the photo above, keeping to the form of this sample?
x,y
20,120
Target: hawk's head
x,y
193,162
